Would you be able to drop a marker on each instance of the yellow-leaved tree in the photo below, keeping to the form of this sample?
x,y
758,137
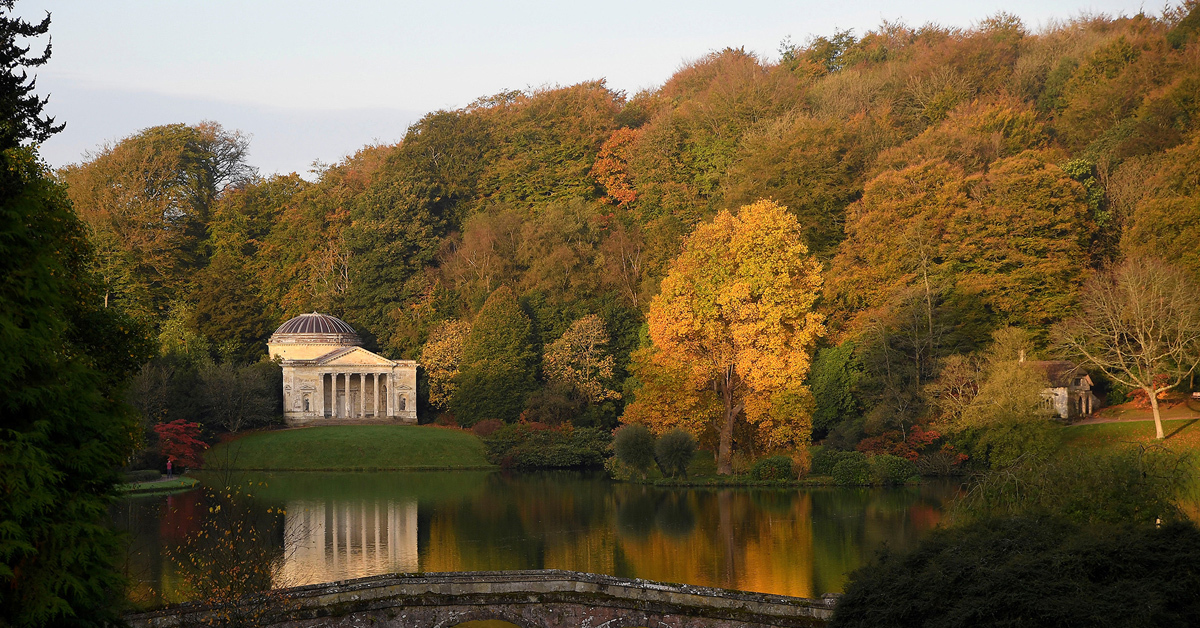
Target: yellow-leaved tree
x,y
441,357
736,312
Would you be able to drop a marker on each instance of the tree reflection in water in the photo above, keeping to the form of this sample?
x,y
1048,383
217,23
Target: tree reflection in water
x,y
336,526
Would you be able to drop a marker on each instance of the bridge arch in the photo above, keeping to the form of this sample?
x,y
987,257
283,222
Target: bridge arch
x,y
547,598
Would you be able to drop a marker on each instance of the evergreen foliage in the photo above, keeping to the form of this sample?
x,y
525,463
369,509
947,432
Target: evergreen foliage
x,y
21,118
1034,571
66,430
673,451
498,361
1061,543
64,359
774,468
633,445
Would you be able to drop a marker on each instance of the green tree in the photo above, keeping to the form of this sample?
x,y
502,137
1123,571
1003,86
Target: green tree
x,y
21,118
579,359
498,362
64,359
228,310
835,371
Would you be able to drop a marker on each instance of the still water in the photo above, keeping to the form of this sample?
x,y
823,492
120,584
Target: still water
x,y
320,527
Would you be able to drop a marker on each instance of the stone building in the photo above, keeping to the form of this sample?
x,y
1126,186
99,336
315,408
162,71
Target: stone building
x,y
1069,393
329,378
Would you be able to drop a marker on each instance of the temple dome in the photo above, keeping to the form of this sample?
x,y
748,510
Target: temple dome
x,y
316,329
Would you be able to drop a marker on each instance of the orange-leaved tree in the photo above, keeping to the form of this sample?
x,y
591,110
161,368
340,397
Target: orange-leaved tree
x,y
736,309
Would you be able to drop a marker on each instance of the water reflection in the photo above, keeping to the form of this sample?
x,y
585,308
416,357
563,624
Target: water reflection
x,y
338,526
337,540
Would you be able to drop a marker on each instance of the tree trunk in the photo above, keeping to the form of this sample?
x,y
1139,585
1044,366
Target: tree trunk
x,y
725,446
1158,428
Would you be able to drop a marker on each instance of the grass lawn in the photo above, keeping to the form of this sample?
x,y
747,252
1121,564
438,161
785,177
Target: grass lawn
x,y
1180,433
351,448
158,486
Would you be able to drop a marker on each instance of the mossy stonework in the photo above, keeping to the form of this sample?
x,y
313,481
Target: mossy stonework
x,y
530,599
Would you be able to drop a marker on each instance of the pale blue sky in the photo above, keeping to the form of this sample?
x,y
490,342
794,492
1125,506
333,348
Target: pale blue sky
x,y
317,80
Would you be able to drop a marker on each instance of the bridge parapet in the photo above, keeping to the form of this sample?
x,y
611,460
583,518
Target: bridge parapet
x,y
547,598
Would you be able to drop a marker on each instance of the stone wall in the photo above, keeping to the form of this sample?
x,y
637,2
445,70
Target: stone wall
x,y
530,599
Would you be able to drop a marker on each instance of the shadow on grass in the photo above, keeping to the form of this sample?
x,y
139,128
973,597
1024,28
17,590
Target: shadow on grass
x,y
1185,425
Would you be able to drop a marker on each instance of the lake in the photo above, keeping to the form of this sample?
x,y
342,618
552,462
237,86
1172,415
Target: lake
x,y
321,527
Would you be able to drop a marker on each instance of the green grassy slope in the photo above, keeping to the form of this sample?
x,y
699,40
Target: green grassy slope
x,y
1180,433
351,448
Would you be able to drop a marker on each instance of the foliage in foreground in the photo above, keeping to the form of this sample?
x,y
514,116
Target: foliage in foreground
x,y
1035,571
537,446
1091,539
63,359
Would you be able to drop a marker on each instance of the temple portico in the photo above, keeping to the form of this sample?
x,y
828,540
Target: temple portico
x,y
327,375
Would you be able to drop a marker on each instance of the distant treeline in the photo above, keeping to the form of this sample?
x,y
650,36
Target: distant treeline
x,y
953,182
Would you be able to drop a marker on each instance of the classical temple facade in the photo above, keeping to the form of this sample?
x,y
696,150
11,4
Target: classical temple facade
x,y
328,377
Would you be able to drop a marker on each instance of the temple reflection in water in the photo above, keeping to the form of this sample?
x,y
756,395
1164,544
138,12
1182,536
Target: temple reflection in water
x,y
323,527
336,540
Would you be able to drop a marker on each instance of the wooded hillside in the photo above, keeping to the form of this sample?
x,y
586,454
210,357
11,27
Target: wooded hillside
x,y
951,183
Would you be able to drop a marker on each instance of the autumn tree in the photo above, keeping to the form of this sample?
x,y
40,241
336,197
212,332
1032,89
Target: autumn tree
x,y
147,201
441,357
580,359
1140,323
611,169
179,441
736,308
1166,221
666,397
498,362
813,166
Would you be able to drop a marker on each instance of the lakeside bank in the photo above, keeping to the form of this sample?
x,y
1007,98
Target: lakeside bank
x,y
351,448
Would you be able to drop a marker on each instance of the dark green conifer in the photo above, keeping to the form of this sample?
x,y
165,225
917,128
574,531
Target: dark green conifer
x,y
63,359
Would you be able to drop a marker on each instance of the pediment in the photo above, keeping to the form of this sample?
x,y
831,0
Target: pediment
x,y
353,356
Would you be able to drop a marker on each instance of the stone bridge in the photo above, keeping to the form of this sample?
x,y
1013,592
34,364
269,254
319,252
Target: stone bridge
x,y
547,598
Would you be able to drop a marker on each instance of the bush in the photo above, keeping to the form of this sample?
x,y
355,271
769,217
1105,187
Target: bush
x,y
142,475
487,427
825,458
773,468
674,451
1004,444
1032,571
1127,486
634,447
530,446
887,469
852,469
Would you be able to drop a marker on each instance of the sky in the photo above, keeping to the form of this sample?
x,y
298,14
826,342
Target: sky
x,y
315,81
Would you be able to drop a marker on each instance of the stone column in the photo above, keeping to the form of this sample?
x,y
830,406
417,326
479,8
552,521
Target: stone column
x,y
362,395
375,379
391,396
346,408
321,395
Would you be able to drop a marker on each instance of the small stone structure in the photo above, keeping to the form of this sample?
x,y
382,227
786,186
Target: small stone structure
x,y
1069,394
547,598
329,378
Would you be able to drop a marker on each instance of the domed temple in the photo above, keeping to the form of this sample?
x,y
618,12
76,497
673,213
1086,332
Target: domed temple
x,y
329,378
